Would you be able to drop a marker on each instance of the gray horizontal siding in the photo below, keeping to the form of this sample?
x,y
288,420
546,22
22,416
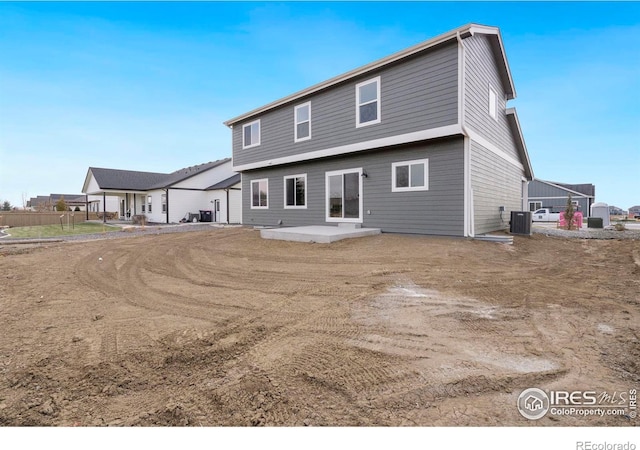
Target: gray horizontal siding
x,y
416,94
539,189
495,183
480,71
436,211
555,198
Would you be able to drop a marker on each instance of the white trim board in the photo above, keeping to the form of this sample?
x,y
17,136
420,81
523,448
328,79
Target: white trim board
x,y
416,136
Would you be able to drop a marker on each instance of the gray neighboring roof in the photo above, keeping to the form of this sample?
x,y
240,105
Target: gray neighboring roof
x,y
567,187
187,172
69,198
464,32
131,180
585,188
225,184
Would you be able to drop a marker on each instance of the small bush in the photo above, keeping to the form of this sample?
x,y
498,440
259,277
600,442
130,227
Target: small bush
x,y
139,219
620,227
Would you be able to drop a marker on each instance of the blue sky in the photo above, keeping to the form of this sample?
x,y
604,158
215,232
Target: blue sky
x,y
146,86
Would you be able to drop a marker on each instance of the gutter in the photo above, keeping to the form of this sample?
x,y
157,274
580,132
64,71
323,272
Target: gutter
x,y
468,192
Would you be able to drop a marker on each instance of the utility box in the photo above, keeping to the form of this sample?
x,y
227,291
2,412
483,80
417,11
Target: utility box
x,y
206,215
520,222
594,222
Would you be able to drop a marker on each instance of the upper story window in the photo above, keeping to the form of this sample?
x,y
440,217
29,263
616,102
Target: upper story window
x,y
303,122
368,102
260,194
251,134
410,175
493,103
295,191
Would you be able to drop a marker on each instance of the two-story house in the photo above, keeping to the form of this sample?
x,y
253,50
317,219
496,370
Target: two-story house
x,y
418,142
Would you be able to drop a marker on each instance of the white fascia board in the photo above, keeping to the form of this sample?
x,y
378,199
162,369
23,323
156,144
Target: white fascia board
x,y
449,130
464,31
512,115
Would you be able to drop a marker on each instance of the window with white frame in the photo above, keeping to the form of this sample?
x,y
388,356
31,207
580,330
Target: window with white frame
x,y
295,191
493,103
410,175
534,206
368,102
302,121
148,203
260,194
251,134
164,203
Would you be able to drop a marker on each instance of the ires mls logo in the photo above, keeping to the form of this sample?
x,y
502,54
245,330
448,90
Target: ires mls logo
x,y
534,403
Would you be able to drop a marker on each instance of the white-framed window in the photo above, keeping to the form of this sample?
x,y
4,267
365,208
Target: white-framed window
x,y
251,134
410,175
143,207
344,195
493,103
534,206
295,191
260,194
164,203
302,122
149,198
368,102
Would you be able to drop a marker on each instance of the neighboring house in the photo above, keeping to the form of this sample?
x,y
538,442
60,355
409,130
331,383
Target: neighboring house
x,y
634,211
616,211
553,195
170,197
49,202
418,142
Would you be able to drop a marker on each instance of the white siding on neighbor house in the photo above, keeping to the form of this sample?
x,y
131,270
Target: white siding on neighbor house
x,y
481,73
92,186
494,183
235,206
112,203
207,178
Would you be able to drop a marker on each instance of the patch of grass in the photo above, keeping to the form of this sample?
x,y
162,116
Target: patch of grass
x,y
46,231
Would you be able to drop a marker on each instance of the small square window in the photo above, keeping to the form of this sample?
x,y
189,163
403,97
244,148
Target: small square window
x,y
410,176
251,134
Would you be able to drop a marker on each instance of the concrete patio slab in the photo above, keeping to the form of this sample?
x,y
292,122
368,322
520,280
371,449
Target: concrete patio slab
x,y
316,233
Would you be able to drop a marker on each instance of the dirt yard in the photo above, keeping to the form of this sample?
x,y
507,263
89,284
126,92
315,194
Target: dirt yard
x,y
223,328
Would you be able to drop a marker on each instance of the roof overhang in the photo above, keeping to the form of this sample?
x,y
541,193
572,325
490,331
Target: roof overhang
x,y
514,123
464,32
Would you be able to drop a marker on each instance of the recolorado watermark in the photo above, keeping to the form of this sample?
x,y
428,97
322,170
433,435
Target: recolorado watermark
x,y
588,445
534,404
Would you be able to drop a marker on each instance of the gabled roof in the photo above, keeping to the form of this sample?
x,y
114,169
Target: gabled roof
x,y
464,32
225,184
131,180
128,180
187,172
565,188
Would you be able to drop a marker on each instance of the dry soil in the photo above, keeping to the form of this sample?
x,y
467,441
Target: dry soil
x,y
220,328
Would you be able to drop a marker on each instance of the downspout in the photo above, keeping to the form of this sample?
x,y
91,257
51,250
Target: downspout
x,y
227,191
469,225
167,204
104,207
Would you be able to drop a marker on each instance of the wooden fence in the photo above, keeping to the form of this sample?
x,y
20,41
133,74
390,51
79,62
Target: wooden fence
x,y
30,219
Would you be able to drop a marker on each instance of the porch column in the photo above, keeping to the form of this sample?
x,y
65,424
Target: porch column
x,y
104,207
167,204
86,205
127,214
134,205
